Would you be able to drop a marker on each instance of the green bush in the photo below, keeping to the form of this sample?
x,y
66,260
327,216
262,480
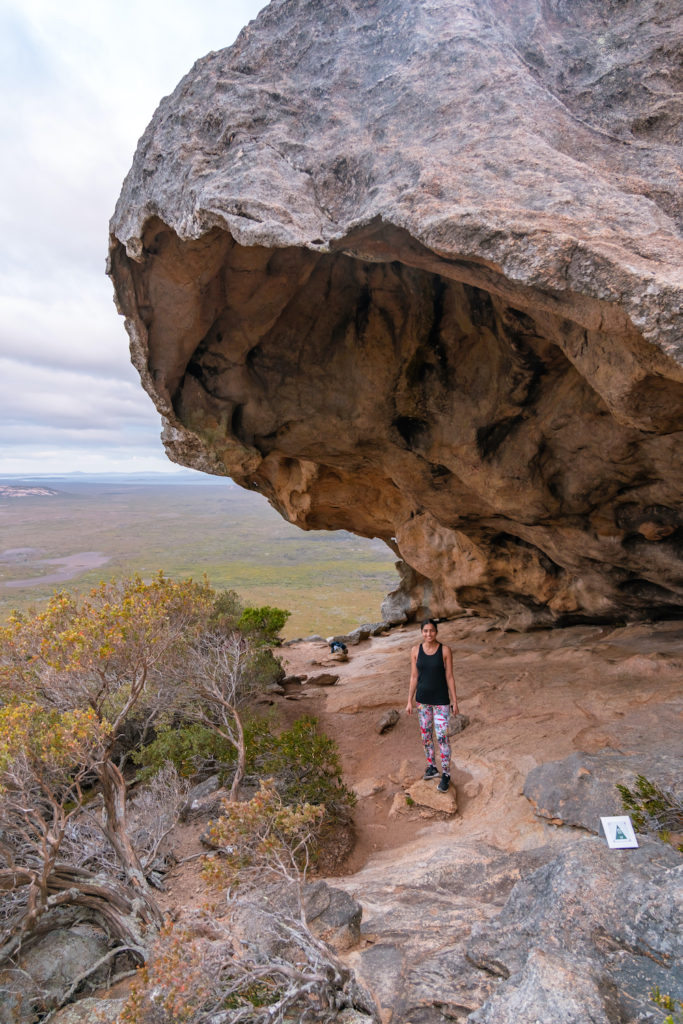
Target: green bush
x,y
226,612
263,624
306,765
197,750
264,668
666,1002
303,761
652,809
193,749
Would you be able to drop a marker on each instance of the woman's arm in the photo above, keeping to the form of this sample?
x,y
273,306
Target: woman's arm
x,y
413,680
448,665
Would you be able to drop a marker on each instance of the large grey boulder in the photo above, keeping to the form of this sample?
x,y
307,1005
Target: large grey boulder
x,y
43,974
333,915
90,1011
582,788
418,910
568,933
586,938
414,270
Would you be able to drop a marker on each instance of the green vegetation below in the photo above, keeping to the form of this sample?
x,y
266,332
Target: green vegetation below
x,y
330,582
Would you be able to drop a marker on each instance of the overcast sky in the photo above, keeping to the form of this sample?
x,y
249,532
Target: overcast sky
x,y
80,82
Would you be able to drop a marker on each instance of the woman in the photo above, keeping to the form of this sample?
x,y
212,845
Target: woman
x,y
433,687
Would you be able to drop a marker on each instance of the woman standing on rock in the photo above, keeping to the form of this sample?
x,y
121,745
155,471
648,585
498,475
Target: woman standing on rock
x,y
433,687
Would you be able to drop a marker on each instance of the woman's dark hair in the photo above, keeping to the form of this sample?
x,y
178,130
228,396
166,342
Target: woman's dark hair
x,y
429,622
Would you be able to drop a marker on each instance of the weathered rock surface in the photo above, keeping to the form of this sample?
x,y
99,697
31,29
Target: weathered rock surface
x,y
387,721
333,915
417,916
91,1011
585,937
368,787
323,679
457,723
467,932
582,788
426,794
48,969
204,799
414,270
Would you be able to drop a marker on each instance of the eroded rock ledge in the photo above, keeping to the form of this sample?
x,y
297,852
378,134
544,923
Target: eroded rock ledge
x,y
413,270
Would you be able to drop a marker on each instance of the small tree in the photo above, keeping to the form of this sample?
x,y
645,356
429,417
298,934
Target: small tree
x,y
210,972
46,757
77,679
654,810
264,624
109,654
215,685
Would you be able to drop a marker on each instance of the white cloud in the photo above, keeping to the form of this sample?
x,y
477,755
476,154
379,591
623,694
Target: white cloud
x,y
50,397
79,83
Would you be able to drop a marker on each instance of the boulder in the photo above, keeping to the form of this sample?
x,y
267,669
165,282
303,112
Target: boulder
x,y
551,987
43,975
90,1011
418,909
426,794
387,721
585,937
323,679
413,271
203,800
399,806
333,915
457,723
368,787
582,788
564,937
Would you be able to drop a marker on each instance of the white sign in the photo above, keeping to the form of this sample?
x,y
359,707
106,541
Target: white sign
x,y
619,833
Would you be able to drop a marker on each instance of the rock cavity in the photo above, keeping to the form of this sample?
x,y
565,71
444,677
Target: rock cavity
x,y
413,271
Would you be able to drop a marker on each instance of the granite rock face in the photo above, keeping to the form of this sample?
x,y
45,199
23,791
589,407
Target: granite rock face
x,y
417,920
413,270
572,935
585,938
582,788
43,974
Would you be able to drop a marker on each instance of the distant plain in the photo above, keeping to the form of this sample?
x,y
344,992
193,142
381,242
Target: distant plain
x,y
96,530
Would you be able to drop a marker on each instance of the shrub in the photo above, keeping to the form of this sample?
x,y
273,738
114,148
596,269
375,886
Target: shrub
x,y
653,810
263,624
304,761
308,769
226,611
274,972
666,1002
195,749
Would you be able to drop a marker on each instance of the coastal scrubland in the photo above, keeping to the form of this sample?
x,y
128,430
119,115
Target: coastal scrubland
x,y
96,530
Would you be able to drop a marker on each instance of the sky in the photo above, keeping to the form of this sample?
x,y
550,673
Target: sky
x,y
79,82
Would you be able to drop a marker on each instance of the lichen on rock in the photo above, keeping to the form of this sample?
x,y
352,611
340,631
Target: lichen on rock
x,y
413,271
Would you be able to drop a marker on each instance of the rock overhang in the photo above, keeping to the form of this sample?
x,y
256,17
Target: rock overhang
x,y
342,314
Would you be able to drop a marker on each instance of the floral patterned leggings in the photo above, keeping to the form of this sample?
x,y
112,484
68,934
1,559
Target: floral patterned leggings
x,y
435,716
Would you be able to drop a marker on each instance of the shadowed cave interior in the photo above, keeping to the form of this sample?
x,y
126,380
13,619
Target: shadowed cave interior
x,y
516,448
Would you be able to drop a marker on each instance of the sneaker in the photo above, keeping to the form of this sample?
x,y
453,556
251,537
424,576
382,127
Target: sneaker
x,y
430,773
444,784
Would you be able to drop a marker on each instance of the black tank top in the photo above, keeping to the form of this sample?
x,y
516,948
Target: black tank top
x,y
432,687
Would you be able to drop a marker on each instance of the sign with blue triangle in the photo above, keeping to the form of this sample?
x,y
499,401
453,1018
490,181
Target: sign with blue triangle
x,y
619,832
